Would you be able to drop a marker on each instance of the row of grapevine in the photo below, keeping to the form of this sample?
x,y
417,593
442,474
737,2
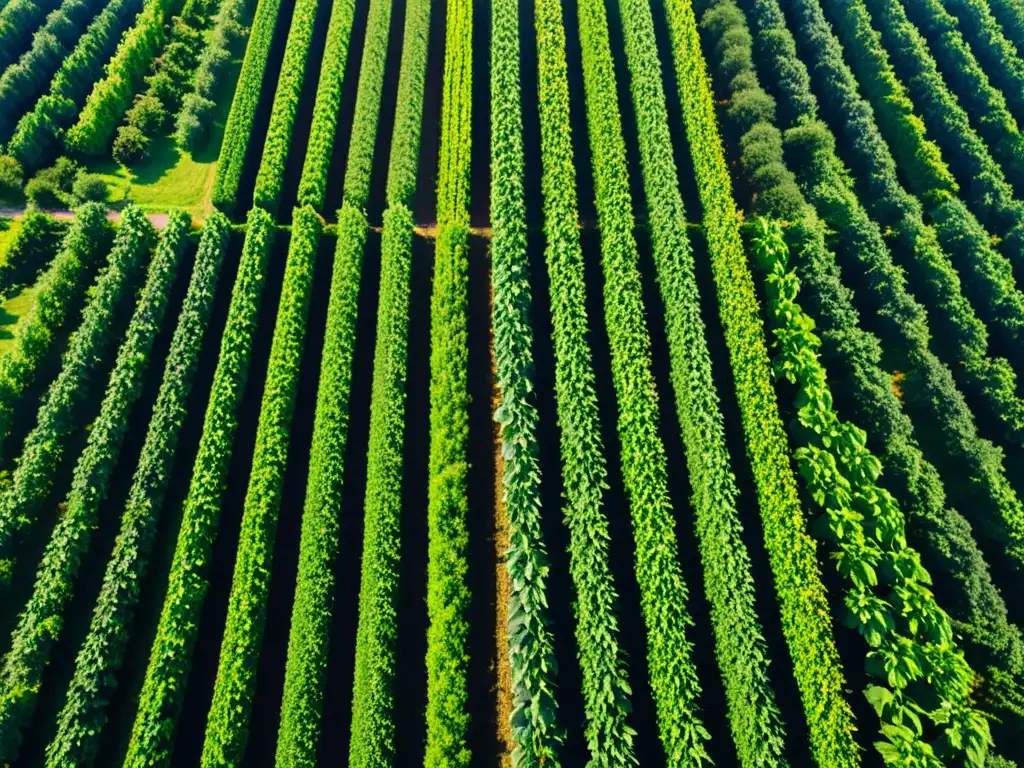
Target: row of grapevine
x,y
939,532
101,654
741,649
24,81
230,30
913,655
39,133
32,242
238,131
988,494
803,602
88,350
60,295
664,594
448,593
41,621
111,96
170,657
530,642
17,20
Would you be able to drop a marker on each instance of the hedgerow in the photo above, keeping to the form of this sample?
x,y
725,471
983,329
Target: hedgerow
x,y
805,615
40,623
17,20
38,135
923,686
238,131
101,654
61,293
89,348
227,727
230,31
33,240
309,634
111,96
1010,15
324,125
270,176
938,531
163,690
740,645
530,642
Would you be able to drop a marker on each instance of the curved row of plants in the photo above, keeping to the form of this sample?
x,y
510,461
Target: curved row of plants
x,y
101,655
112,95
535,735
922,690
60,295
88,351
988,494
741,648
41,621
18,19
806,620
170,657
939,532
1010,14
238,130
39,134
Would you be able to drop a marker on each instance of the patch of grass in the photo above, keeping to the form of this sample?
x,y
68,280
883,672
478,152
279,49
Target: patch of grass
x,y
11,312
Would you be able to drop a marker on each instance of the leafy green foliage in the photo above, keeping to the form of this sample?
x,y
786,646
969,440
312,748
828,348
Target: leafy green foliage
x,y
88,350
34,241
62,291
41,621
170,658
309,635
805,616
923,687
227,721
238,131
17,19
102,652
1010,15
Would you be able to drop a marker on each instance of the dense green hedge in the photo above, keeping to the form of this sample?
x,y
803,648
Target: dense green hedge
x,y
227,728
101,654
270,177
170,658
41,621
18,19
61,293
530,642
740,646
33,242
238,131
89,348
373,729
1010,14
805,615
324,125
309,635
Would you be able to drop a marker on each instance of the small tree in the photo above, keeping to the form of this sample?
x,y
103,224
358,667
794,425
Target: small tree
x,y
12,178
131,145
89,188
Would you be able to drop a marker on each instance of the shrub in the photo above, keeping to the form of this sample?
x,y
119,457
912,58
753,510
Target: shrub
x,y
89,188
12,177
147,114
131,145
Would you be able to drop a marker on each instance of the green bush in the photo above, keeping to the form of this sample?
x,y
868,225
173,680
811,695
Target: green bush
x,y
131,145
89,188
12,177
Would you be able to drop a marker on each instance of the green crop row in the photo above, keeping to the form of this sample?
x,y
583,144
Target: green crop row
x,y
89,348
33,241
805,616
112,95
403,162
60,295
531,645
373,700
1010,14
362,142
324,126
101,654
664,594
741,649
26,79
923,686
227,725
270,177
456,99
939,532
40,623
230,31
238,130
18,19
163,690
309,634
988,494
998,56
38,135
